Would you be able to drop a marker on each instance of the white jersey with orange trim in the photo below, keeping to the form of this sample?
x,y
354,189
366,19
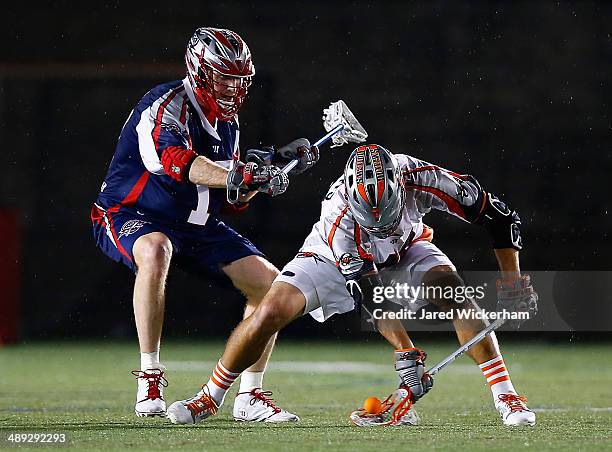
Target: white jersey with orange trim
x,y
338,237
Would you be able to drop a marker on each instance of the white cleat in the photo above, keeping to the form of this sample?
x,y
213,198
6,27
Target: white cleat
x,y
150,396
514,411
257,406
193,410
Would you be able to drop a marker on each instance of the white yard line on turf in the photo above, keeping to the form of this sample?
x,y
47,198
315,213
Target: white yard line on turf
x,y
319,367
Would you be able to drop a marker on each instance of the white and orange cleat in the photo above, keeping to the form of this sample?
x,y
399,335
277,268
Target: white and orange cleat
x,y
513,410
257,406
150,395
193,410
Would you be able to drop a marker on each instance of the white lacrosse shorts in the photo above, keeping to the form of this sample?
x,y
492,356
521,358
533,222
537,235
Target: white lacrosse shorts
x,y
323,285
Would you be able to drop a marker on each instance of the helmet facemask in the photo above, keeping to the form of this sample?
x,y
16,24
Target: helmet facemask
x,y
375,190
220,71
223,94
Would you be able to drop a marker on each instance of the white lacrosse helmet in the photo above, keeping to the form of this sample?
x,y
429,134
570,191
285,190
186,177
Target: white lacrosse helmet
x,y
375,189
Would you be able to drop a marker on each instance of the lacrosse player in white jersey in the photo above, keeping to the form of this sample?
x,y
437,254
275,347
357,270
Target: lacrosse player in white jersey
x,y
371,230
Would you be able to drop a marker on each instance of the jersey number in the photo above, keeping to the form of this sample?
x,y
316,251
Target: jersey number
x,y
200,215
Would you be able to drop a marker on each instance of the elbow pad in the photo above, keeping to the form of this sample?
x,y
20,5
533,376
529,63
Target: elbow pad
x,y
502,223
176,161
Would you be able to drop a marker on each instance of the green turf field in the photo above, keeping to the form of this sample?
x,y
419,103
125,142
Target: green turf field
x,y
86,391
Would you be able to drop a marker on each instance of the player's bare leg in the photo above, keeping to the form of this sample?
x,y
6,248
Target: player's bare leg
x,y
253,276
394,332
244,348
152,253
282,304
486,353
466,329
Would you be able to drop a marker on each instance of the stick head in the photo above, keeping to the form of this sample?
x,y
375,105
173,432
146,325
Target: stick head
x,y
338,113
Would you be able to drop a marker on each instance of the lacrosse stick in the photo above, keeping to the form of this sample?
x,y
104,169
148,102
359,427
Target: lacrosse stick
x,y
403,414
465,347
342,127
233,195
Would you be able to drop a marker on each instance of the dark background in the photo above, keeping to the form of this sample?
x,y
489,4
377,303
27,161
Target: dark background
x,y
515,94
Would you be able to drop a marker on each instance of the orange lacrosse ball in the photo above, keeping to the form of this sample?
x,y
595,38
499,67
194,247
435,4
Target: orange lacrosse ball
x,y
372,405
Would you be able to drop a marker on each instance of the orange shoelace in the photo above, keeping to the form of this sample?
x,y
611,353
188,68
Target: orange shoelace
x,y
515,402
154,381
204,403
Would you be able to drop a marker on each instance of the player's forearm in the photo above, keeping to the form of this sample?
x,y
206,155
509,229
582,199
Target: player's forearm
x,y
206,172
508,261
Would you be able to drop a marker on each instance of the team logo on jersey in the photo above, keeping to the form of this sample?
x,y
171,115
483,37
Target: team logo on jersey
x,y
172,128
132,226
346,260
304,254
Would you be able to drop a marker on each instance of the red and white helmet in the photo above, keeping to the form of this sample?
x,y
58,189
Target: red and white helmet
x,y
219,69
375,189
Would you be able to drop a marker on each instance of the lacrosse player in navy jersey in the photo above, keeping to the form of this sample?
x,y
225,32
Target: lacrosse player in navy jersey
x,y
371,234
175,165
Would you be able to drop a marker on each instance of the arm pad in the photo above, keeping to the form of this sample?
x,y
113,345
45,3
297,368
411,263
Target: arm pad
x,y
176,161
502,223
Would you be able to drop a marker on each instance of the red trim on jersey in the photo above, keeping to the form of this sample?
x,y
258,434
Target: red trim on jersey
x,y
96,215
452,203
160,115
360,250
183,116
135,192
128,201
116,237
426,235
434,168
332,232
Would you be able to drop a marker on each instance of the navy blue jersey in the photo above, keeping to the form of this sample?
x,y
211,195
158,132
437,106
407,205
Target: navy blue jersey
x,y
166,116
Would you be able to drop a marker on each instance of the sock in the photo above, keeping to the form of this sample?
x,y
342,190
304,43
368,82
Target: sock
x,y
219,383
149,360
250,381
497,376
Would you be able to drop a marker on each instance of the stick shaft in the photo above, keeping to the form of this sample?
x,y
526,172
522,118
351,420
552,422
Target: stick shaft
x,y
465,347
325,138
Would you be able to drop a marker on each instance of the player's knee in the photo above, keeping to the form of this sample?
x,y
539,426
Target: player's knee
x,y
275,311
440,283
257,288
153,252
